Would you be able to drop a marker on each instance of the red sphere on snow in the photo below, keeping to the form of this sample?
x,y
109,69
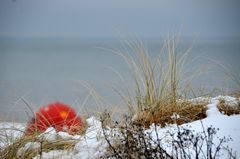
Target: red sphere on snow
x,y
58,115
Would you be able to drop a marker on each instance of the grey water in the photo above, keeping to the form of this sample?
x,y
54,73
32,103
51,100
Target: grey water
x,y
35,72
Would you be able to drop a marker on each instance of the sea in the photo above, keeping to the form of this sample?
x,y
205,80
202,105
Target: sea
x,y
89,74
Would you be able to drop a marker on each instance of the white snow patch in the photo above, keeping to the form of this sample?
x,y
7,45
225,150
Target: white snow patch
x,y
65,135
175,116
49,135
95,128
200,100
92,144
60,154
90,148
212,110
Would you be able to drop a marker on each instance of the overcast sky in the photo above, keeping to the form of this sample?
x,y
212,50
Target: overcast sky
x,y
105,18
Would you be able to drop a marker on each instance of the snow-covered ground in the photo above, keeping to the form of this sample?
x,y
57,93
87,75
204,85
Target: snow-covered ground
x,y
92,144
9,132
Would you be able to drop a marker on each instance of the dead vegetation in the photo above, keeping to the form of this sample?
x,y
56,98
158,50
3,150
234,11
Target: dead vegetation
x,y
183,112
228,109
132,142
18,149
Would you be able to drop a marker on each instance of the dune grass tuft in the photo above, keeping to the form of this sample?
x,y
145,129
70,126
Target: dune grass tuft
x,y
159,84
18,150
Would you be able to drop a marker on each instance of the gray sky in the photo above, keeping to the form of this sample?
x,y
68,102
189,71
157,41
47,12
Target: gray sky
x,y
104,18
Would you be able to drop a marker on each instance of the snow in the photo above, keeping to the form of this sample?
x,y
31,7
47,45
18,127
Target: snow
x,y
213,110
175,116
49,135
90,148
95,128
66,136
92,144
230,101
61,154
10,132
200,99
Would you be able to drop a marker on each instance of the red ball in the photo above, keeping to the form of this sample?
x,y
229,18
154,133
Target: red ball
x,y
58,115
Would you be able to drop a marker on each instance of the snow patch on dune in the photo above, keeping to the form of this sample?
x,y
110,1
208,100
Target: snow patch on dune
x,y
93,145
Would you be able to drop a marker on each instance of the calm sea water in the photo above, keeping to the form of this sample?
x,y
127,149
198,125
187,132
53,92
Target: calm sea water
x,y
41,71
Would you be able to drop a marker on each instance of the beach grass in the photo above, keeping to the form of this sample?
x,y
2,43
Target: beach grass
x,y
16,150
159,84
